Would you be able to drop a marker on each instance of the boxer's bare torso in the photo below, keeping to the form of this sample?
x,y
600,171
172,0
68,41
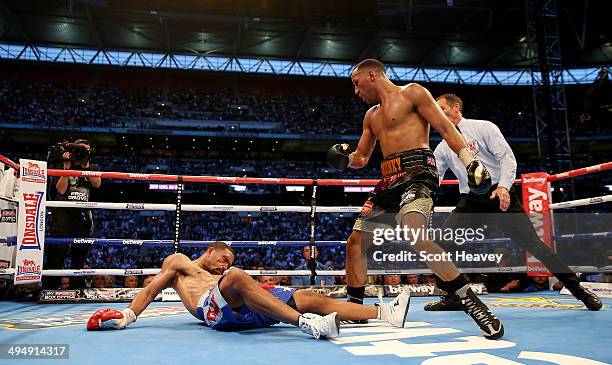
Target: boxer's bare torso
x,y
396,124
190,279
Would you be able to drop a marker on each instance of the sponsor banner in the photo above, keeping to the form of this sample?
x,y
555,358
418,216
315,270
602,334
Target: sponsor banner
x,y
59,295
132,242
137,176
333,291
84,272
87,241
536,200
426,290
31,222
372,291
8,216
170,295
110,294
415,290
267,243
603,290
268,209
105,295
222,208
135,206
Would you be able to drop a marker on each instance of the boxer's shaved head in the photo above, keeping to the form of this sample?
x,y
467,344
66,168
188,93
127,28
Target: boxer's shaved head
x,y
365,75
370,64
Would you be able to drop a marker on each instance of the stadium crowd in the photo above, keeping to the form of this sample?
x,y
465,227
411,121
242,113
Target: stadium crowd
x,y
102,105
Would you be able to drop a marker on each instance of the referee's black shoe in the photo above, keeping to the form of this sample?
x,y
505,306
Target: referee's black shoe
x,y
590,300
447,302
491,327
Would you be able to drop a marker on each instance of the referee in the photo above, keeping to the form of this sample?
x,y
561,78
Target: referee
x,y
490,147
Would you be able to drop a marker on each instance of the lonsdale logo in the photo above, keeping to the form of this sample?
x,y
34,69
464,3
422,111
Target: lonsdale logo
x,y
28,268
33,173
30,238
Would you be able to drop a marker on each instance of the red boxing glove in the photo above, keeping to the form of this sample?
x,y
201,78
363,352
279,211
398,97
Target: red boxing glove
x,y
267,287
109,318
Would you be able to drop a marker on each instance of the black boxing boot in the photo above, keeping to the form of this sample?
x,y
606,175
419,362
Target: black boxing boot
x,y
491,327
571,282
448,301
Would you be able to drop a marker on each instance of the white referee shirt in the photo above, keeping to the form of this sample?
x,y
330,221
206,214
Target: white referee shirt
x,y
487,143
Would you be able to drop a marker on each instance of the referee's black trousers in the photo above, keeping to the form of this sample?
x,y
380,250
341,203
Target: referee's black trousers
x,y
474,210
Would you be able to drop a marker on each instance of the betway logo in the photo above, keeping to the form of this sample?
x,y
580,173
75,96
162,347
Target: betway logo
x,y
144,176
91,173
132,242
536,207
529,180
536,199
83,240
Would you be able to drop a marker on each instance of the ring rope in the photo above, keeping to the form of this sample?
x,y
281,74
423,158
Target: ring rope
x,y
12,240
283,181
154,271
581,202
213,208
273,208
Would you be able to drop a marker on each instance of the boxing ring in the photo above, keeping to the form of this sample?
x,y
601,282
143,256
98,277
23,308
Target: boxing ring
x,y
543,327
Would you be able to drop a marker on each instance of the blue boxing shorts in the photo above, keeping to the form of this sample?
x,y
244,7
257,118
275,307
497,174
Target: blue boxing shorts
x,y
218,315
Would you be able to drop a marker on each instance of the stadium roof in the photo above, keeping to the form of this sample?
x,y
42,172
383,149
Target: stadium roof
x,y
471,34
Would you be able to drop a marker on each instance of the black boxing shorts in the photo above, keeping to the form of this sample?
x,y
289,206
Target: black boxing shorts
x,y
408,184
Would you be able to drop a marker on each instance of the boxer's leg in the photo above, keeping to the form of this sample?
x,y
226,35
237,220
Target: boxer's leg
x,y
357,264
239,289
393,312
458,218
309,301
445,269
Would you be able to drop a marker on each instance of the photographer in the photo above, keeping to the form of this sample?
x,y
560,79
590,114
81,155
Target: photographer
x,y
70,222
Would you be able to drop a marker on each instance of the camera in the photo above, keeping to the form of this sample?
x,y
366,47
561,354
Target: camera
x,y
79,154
